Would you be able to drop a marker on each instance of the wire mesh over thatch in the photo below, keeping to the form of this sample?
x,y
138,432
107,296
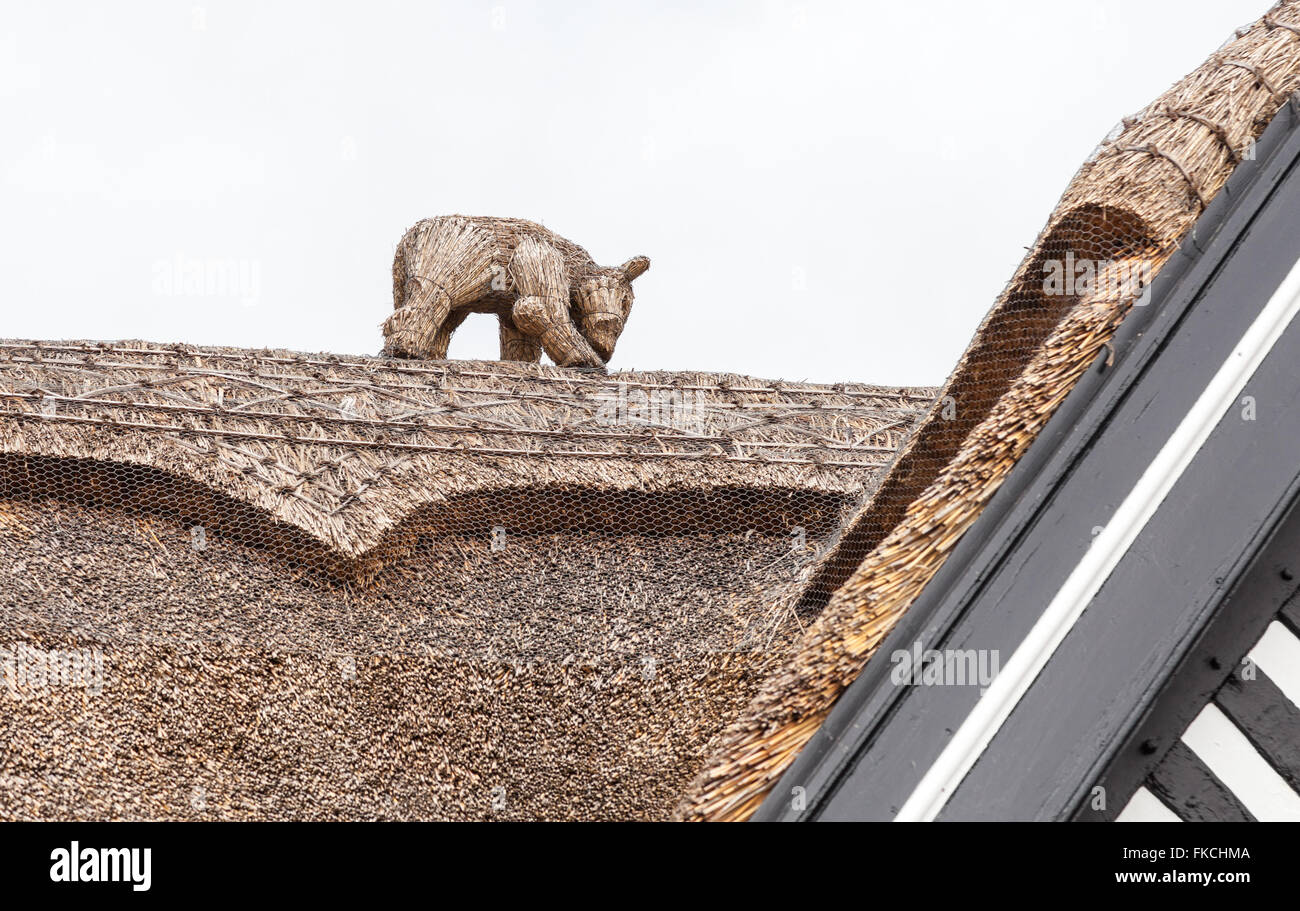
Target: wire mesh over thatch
x,y
1125,212
260,584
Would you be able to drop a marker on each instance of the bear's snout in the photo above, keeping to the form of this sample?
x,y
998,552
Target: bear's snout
x,y
603,330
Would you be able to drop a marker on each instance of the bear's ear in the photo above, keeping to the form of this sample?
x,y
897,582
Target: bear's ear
x,y
634,267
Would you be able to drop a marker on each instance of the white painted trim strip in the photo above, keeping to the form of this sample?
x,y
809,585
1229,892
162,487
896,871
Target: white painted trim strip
x,y
1278,655
1234,761
1108,548
1146,807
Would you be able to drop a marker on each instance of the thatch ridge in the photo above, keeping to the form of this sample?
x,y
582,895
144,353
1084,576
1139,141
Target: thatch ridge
x,y
347,448
1132,202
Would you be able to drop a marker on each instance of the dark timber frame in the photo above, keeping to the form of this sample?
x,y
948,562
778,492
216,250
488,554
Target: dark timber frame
x,y
1167,627
1153,754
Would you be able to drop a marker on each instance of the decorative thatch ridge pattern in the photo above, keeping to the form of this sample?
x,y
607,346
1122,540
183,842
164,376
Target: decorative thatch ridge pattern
x,y
344,449
546,291
1126,209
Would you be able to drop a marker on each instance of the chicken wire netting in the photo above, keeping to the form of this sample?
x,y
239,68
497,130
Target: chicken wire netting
x,y
256,584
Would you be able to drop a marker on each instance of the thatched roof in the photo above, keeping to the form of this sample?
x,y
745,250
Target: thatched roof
x,y
336,457
1130,204
166,513
346,449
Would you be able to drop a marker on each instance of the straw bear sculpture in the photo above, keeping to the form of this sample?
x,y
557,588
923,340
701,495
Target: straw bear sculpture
x,y
546,291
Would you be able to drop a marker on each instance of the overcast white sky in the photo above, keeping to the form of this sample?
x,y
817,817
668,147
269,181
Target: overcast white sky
x,y
827,191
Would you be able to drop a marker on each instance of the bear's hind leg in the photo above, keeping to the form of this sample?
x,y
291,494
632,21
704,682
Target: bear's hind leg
x,y
442,338
412,330
515,345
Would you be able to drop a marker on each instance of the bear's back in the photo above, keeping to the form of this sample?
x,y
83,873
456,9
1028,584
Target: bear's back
x,y
502,236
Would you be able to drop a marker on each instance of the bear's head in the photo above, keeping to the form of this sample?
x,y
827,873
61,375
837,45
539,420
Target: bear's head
x,y
602,302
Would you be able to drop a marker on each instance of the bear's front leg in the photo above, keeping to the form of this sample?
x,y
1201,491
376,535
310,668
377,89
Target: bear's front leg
x,y
547,320
413,329
542,310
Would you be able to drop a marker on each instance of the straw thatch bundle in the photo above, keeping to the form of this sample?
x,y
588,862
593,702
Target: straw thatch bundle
x,y
327,587
1129,206
534,280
